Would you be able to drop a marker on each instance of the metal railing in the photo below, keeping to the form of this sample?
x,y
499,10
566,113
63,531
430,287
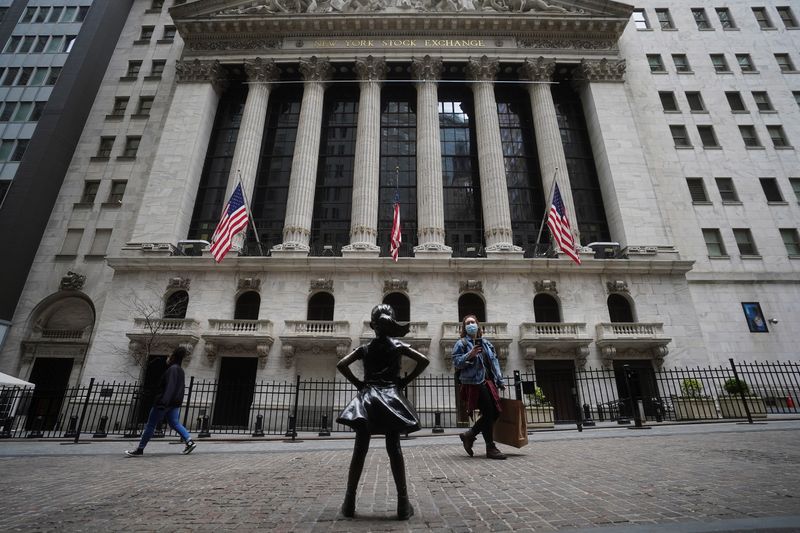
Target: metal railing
x,y
583,397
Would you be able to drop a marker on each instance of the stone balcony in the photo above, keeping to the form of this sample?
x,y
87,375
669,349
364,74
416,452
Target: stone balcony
x,y
417,337
495,332
632,340
317,336
541,338
238,337
162,335
49,341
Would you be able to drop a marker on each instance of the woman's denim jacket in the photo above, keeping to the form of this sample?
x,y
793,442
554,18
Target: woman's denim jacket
x,y
472,371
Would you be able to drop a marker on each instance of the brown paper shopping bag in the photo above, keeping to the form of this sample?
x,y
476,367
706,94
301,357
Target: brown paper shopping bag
x,y
511,429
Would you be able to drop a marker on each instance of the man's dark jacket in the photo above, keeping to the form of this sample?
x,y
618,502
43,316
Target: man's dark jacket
x,y
170,387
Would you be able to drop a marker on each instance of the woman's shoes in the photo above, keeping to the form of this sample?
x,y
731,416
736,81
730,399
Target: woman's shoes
x,y
494,453
404,509
467,439
349,506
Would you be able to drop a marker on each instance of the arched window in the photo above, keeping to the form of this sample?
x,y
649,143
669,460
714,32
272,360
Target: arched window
x,y
545,308
247,305
400,304
619,309
320,306
471,304
176,304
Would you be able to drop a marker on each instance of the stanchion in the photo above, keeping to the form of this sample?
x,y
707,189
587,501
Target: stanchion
x,y
259,431
101,432
72,427
324,431
202,421
437,422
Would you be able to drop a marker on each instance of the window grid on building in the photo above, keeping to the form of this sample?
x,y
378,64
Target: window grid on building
x,y
131,146
785,63
791,240
727,191
72,241
700,18
744,241
762,18
778,137
725,18
745,63
117,191
120,104
640,19
771,190
707,136
714,244
697,190
749,136
99,246
656,63
681,63
795,183
787,17
680,137
695,100
668,101
763,103
719,63
735,101
105,147
664,19
90,188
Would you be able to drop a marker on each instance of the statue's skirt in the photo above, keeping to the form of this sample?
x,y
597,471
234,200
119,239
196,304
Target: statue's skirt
x,y
380,409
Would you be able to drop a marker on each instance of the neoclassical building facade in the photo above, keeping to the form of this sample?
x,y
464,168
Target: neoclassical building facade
x,y
469,113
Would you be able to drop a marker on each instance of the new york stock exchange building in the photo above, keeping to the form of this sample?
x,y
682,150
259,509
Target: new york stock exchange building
x,y
468,114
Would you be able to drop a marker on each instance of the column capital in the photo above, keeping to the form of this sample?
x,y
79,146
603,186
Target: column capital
x,y
197,71
427,69
316,69
370,68
539,69
261,70
600,70
483,69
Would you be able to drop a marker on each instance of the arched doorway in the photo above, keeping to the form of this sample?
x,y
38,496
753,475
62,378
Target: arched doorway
x,y
619,308
545,308
320,306
400,304
176,304
247,306
471,304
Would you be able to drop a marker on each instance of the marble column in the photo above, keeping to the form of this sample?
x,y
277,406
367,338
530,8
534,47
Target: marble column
x,y
302,180
367,164
430,194
494,187
244,165
552,161
168,199
627,182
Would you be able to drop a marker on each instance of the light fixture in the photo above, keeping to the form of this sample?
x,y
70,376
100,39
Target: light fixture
x,y
773,320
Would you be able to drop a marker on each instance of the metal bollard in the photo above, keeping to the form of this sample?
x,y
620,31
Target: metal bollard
x,y
600,414
324,431
202,421
8,423
36,432
437,422
101,432
291,431
659,408
259,431
587,415
72,427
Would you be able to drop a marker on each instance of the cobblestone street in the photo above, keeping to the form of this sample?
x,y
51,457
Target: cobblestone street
x,y
726,476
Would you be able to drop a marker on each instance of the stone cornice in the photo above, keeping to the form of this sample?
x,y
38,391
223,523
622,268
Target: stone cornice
x,y
234,265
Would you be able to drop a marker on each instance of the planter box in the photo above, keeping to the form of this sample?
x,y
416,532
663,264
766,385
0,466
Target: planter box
x,y
733,407
694,408
539,416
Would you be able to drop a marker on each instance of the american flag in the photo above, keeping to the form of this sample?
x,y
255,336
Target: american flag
x,y
396,237
234,220
559,226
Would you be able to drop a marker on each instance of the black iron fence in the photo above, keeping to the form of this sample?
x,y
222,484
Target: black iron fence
x,y
575,396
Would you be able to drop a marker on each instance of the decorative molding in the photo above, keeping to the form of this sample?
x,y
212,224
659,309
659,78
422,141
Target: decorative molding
x,y
607,353
72,282
321,284
593,70
282,7
370,69
539,69
394,285
178,283
221,45
470,285
198,71
568,44
617,286
248,284
261,70
545,285
427,68
483,69
316,69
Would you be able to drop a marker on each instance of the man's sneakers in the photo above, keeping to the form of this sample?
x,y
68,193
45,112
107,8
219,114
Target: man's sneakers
x,y
190,446
138,452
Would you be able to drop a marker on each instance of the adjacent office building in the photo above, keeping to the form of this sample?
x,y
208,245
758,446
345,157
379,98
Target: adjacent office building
x,y
669,130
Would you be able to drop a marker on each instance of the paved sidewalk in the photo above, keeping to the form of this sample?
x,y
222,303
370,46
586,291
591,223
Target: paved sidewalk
x,y
716,477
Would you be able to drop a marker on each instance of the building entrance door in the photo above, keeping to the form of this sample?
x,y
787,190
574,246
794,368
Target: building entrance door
x,y
237,378
51,376
557,379
642,386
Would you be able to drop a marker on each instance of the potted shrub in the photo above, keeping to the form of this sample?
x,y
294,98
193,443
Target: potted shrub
x,y
731,404
693,404
538,411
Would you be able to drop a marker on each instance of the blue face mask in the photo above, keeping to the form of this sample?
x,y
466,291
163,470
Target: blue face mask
x,y
471,329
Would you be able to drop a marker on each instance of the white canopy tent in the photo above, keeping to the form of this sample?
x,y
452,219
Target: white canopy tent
x,y
11,381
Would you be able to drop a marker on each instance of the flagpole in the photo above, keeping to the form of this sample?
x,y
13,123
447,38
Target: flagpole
x,y
249,214
547,204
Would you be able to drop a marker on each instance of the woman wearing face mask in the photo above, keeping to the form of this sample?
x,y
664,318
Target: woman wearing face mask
x,y
479,372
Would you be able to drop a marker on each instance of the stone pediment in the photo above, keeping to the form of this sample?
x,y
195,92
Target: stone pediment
x,y
249,8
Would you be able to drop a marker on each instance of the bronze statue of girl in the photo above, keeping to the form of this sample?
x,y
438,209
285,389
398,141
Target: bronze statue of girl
x,y
380,407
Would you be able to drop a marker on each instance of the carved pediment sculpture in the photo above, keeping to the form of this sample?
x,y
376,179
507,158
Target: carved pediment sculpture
x,y
72,282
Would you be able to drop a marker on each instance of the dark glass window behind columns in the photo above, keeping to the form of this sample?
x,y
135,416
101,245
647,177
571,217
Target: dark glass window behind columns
x,y
398,166
525,196
463,220
330,225
214,179
275,167
585,185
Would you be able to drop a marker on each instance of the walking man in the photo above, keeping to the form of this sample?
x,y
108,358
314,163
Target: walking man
x,y
167,404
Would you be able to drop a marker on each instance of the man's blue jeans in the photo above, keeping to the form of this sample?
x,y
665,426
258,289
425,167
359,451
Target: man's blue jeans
x,y
157,414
